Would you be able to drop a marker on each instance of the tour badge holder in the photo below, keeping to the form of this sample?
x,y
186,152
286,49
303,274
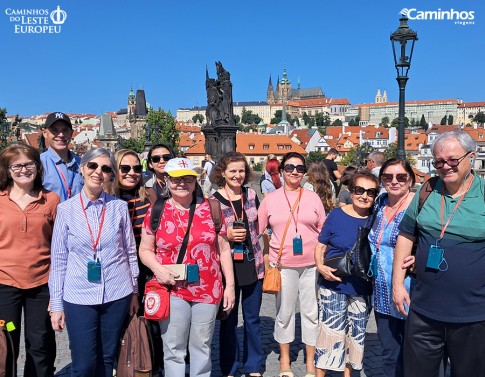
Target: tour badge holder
x,y
192,273
94,271
297,245
238,251
435,257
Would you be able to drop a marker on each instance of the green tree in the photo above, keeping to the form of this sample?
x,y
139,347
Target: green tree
x,y
278,115
450,120
357,155
314,157
422,123
247,117
306,119
165,122
138,145
395,122
354,121
322,120
385,122
391,152
479,118
443,120
337,123
3,119
198,117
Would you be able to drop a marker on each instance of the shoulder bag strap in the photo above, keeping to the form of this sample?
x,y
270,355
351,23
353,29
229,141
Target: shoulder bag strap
x,y
280,252
185,242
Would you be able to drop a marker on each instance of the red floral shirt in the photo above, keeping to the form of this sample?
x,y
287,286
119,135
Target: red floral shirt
x,y
201,249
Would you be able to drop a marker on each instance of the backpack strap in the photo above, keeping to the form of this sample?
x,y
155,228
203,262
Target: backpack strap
x,y
157,212
426,190
216,214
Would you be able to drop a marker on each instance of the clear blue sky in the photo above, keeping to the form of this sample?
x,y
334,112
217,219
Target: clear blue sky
x,y
163,46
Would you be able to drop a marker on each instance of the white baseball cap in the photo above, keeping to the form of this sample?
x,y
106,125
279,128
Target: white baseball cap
x,y
178,167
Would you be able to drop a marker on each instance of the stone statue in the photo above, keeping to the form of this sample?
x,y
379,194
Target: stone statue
x,y
212,113
225,89
219,110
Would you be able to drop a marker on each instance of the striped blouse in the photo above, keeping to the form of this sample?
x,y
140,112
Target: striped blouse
x,y
72,250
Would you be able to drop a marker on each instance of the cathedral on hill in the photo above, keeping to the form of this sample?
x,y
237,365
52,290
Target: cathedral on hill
x,y
284,92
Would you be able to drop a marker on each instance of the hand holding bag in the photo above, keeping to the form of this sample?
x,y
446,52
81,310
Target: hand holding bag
x,y
342,264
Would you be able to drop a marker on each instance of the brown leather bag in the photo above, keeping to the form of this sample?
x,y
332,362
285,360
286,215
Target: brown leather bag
x,y
7,357
135,355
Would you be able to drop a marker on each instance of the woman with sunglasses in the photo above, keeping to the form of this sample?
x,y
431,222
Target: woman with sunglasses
x,y
240,208
194,277
94,270
397,178
27,214
295,216
344,308
157,158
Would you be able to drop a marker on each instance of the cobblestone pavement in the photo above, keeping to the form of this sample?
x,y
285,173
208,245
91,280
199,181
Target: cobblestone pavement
x,y
372,359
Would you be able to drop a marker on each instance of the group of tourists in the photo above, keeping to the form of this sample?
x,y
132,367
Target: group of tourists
x,y
78,247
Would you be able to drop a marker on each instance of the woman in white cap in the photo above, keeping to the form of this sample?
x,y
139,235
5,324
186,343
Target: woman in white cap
x,y
193,272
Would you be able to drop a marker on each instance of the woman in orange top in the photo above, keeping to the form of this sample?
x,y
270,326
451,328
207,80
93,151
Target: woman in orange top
x,y
27,214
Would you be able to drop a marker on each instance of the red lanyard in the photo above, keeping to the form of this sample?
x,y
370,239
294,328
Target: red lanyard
x,y
442,215
242,206
93,243
61,174
383,227
292,209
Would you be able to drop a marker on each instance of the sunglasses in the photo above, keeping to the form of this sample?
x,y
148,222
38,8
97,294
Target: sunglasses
x,y
290,167
451,162
186,178
157,159
104,168
125,169
401,178
371,193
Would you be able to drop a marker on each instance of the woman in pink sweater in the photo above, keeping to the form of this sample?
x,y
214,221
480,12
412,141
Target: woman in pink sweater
x,y
303,211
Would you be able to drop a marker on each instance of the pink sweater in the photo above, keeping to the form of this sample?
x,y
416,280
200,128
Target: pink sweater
x,y
274,211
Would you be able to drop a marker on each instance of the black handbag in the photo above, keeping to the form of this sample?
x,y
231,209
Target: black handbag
x,y
361,254
342,264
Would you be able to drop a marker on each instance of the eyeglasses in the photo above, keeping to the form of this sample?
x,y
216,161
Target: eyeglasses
x,y
31,165
125,169
290,167
157,159
371,193
387,178
104,168
186,178
451,162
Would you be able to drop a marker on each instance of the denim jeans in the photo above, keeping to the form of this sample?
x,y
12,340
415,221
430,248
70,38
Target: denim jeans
x,y
94,335
253,355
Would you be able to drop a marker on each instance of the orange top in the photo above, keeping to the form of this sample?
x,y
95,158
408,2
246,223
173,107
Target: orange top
x,y
25,240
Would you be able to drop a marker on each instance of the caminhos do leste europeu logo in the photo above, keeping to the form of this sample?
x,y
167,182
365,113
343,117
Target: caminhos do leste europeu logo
x,y
458,17
37,21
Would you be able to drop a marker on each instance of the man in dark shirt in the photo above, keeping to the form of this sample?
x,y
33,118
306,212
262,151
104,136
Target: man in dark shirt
x,y
332,168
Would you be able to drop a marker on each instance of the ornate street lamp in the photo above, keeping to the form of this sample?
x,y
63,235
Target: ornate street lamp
x,y
402,47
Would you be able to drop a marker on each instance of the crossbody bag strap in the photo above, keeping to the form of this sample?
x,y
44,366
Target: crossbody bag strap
x,y
280,252
185,242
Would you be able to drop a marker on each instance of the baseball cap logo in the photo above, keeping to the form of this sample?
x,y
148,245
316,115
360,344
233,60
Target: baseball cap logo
x,y
183,164
59,116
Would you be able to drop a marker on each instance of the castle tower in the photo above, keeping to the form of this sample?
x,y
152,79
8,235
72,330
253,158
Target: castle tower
x,y
131,103
284,87
378,96
138,120
384,97
270,92
107,136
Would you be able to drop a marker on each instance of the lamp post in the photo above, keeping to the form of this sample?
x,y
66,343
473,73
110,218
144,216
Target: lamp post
x,y
402,47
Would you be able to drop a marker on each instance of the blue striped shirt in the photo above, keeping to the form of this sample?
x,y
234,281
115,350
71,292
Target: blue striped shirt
x,y
71,250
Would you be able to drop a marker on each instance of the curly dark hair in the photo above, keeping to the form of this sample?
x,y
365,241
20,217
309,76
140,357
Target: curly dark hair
x,y
289,155
216,173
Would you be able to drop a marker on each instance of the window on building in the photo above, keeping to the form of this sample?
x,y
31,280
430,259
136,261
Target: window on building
x,y
251,160
251,146
265,146
196,160
261,159
288,146
280,146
